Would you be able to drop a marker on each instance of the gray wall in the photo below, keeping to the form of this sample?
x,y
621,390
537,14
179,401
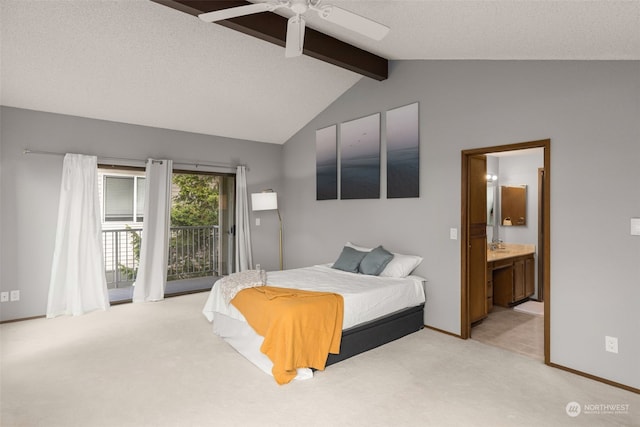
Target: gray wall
x,y
30,186
590,112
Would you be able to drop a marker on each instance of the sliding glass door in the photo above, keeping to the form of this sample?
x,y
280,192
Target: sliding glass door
x,y
201,244
201,224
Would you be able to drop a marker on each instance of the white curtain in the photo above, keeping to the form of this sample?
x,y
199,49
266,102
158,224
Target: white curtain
x,y
244,259
78,284
154,247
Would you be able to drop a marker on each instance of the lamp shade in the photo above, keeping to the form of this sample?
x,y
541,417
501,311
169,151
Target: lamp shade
x,y
266,201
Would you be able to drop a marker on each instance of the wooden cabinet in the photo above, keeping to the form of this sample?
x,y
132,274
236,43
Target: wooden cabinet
x,y
518,280
513,206
529,276
512,279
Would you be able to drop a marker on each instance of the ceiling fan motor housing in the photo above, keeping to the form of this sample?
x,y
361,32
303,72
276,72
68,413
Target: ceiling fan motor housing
x,y
296,25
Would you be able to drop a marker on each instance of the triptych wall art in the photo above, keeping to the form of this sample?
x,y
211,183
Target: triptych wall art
x,y
326,163
360,158
359,163
403,152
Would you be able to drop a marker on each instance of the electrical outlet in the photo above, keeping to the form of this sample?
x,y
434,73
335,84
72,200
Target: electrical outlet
x,y
611,344
15,296
4,296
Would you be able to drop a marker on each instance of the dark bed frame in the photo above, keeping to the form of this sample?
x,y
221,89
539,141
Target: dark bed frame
x,y
377,332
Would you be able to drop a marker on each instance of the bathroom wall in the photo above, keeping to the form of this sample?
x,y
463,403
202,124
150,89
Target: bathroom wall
x,y
522,169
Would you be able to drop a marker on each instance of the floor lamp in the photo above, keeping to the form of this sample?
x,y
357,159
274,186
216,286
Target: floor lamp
x,y
267,201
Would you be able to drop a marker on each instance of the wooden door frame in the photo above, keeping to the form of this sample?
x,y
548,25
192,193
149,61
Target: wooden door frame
x,y
541,204
545,144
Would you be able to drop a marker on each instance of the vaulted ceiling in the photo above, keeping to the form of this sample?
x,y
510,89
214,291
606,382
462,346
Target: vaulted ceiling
x,y
145,62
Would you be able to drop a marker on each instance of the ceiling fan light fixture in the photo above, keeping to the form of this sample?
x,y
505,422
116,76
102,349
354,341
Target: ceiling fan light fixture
x,y
299,6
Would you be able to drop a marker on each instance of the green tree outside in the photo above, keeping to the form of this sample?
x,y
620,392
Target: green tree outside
x,y
195,200
194,204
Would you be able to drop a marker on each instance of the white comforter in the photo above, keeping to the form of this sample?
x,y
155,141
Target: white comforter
x,y
365,297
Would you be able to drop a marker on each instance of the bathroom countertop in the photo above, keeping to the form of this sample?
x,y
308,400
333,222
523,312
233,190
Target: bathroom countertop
x,y
509,250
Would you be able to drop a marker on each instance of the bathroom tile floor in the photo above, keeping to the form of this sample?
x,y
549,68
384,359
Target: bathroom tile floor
x,y
519,332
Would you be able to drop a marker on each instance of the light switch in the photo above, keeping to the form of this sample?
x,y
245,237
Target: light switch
x,y
453,233
257,221
635,226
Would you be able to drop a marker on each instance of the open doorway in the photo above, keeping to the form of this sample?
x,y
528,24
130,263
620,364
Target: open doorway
x,y
513,274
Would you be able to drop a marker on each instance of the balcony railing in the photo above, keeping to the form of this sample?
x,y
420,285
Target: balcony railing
x,y
193,252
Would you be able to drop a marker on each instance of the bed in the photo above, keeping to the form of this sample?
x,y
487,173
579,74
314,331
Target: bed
x,y
377,309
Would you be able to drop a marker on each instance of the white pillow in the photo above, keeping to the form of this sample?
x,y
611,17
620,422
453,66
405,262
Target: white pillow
x,y
358,248
400,265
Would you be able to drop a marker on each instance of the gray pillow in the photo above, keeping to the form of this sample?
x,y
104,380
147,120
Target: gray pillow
x,y
375,261
349,260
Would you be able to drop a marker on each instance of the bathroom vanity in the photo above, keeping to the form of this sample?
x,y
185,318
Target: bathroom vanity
x,y
510,274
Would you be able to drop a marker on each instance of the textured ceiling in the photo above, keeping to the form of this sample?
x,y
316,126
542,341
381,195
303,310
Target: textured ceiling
x,y
139,62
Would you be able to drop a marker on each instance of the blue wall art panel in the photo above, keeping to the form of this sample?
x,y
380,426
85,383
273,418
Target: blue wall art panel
x,y
326,163
403,152
360,158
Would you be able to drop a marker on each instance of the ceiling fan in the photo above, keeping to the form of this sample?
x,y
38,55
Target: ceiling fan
x,y
296,24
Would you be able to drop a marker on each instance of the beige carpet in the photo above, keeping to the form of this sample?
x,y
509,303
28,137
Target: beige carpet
x,y
158,364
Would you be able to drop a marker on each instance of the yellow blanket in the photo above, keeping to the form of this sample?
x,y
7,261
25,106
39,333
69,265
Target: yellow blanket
x,y
300,328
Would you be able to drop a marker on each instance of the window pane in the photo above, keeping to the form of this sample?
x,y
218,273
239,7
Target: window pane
x,y
140,199
118,198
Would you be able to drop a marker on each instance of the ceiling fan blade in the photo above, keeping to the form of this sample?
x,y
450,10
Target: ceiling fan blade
x,y
353,22
295,37
233,12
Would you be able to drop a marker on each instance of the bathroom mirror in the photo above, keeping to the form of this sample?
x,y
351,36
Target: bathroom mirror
x,y
513,205
491,204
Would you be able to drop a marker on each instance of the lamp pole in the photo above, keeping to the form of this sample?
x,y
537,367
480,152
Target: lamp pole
x,y
280,219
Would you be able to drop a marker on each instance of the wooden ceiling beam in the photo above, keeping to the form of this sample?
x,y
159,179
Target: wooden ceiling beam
x,y
273,28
